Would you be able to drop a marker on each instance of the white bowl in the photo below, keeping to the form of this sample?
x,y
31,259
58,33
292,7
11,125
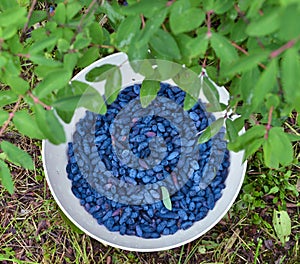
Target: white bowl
x,y
55,161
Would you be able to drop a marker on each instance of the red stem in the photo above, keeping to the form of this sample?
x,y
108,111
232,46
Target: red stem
x,y
11,115
28,18
268,126
208,22
245,52
286,46
37,101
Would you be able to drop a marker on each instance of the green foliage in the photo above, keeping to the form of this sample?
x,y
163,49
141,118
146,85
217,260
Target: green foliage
x,y
282,225
166,198
251,47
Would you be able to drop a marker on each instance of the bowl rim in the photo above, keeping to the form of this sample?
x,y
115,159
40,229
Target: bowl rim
x,y
114,239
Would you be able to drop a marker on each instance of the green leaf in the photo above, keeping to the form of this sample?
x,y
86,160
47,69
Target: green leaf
x,y
252,147
277,148
197,46
189,102
80,94
222,6
166,198
17,84
3,116
60,14
293,137
148,91
70,61
37,16
249,136
167,70
46,43
282,225
112,11
81,41
6,178
41,60
273,190
152,26
63,45
290,68
265,83
223,48
16,155
7,97
49,125
6,4
53,81
26,124
169,50
89,56
72,9
113,84
265,25
189,82
211,131
147,8
96,33
212,95
246,63
246,84
99,74
178,18
272,100
231,129
137,52
289,26
238,29
13,16
127,31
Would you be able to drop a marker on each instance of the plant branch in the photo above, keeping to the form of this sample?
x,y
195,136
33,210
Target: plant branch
x,y
268,126
143,21
208,22
11,115
87,11
245,52
23,35
38,101
286,46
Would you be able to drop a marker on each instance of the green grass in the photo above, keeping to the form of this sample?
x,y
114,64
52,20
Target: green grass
x,y
33,230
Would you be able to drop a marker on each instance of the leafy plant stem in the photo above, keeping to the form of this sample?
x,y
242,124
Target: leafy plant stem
x,y
23,34
245,52
286,46
11,115
143,21
38,101
208,22
268,126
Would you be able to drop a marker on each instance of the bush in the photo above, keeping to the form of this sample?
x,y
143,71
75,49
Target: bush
x,y
251,47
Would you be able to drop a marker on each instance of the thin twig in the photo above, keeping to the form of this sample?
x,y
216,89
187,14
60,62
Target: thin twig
x,y
245,52
286,46
38,101
27,22
268,126
208,22
87,11
11,115
79,27
143,21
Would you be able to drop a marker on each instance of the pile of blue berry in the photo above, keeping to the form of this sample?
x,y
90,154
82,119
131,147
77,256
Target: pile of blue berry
x,y
117,171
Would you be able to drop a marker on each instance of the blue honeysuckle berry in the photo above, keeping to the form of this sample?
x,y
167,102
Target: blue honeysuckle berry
x,y
148,218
